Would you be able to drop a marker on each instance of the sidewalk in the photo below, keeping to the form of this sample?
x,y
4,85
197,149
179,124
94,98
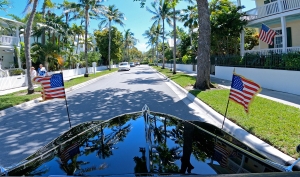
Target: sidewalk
x,y
281,97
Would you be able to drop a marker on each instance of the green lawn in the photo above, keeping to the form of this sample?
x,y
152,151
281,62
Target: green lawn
x,y
273,122
19,97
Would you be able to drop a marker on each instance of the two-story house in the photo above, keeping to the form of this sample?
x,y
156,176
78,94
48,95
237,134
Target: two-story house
x,y
282,16
9,40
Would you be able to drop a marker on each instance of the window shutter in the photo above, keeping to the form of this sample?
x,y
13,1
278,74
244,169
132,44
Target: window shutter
x,y
289,36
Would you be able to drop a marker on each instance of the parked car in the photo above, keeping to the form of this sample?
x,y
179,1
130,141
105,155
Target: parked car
x,y
137,63
147,144
124,66
132,64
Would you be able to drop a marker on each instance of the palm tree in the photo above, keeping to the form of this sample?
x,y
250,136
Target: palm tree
x,y
87,9
112,15
161,14
79,31
129,41
30,89
151,36
174,33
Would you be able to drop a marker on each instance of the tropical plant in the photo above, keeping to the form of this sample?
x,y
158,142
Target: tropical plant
x,y
112,15
87,9
161,12
102,38
129,41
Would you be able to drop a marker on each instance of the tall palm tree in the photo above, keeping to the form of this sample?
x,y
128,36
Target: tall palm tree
x,y
30,89
112,15
79,31
161,13
151,36
174,2
129,41
87,9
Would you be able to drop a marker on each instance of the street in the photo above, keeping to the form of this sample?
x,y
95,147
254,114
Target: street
x,y
25,132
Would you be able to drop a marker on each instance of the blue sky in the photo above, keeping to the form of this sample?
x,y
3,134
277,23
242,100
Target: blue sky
x,y
138,19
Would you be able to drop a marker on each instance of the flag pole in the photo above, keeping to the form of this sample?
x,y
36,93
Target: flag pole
x,y
225,112
62,77
228,100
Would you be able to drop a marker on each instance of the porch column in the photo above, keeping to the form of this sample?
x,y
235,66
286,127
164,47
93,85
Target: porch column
x,y
279,5
242,35
18,46
242,43
284,35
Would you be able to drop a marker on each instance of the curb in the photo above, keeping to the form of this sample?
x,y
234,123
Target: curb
x,y
15,109
236,131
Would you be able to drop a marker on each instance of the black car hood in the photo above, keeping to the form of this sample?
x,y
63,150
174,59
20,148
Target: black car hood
x,y
144,143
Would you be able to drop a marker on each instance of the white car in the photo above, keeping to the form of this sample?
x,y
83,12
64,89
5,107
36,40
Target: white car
x,y
124,66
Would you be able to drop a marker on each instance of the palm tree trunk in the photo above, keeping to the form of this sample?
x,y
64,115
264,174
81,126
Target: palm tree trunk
x,y
163,43
30,89
203,55
109,43
85,43
174,48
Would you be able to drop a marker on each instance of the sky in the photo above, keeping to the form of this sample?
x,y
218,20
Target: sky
x,y
138,20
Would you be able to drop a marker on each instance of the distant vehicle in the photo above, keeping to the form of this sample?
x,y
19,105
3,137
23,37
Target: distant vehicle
x,y
124,66
132,64
137,63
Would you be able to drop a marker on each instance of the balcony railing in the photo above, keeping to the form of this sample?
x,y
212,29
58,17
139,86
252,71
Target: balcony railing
x,y
272,8
274,50
8,40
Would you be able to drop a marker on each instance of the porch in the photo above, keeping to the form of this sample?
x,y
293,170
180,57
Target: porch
x,y
272,8
8,40
272,50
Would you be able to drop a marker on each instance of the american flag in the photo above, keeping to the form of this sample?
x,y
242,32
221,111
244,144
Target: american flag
x,y
52,86
69,152
243,90
266,34
221,155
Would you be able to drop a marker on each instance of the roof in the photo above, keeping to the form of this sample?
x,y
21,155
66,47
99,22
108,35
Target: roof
x,y
5,22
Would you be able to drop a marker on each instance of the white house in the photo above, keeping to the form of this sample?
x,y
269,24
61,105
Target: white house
x,y
9,40
283,16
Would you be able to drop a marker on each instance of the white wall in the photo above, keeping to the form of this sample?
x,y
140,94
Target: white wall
x,y
279,80
12,82
21,81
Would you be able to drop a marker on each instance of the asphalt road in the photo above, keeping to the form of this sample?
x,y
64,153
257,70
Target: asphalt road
x,y
28,130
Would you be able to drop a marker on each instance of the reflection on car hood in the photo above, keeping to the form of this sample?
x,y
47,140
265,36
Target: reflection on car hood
x,y
144,143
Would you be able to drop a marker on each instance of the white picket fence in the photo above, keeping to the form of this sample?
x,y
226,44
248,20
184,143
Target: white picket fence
x,y
21,80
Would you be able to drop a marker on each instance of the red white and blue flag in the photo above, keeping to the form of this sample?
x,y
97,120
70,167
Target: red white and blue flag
x,y
243,90
69,152
266,34
52,86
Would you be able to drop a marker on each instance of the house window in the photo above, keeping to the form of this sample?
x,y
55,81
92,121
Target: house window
x,y
278,39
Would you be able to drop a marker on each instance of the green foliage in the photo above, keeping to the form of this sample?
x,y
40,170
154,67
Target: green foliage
x,y
291,60
102,39
16,72
226,25
92,57
185,59
251,38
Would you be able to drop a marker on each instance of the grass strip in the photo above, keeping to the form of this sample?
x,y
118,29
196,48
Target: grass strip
x,y
273,122
13,99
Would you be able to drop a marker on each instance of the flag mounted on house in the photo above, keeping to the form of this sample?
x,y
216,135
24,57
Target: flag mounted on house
x,y
266,34
243,90
52,86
